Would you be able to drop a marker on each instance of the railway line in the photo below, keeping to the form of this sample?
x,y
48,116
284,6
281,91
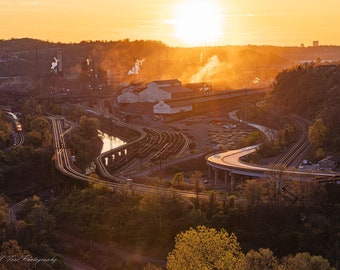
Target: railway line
x,y
18,135
64,164
146,142
291,158
152,145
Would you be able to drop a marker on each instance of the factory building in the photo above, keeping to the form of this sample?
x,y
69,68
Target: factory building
x,y
129,95
172,107
164,90
156,91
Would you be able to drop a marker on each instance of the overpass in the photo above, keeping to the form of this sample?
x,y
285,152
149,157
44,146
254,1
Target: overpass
x,y
230,162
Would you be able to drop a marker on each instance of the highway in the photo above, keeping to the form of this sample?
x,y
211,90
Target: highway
x,y
232,160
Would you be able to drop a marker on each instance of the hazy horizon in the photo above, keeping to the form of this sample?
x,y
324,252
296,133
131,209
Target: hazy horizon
x,y
178,23
172,46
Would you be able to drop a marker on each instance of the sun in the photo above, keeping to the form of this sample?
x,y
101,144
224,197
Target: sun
x,y
197,22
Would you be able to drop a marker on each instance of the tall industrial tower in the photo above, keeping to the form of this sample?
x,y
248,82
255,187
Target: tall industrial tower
x,y
60,64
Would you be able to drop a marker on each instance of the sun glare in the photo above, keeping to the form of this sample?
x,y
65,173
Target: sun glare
x,y
197,23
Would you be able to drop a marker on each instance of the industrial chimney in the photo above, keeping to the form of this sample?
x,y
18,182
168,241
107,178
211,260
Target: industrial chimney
x,y
60,64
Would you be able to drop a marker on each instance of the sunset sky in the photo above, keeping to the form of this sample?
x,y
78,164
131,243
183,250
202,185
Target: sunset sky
x,y
175,22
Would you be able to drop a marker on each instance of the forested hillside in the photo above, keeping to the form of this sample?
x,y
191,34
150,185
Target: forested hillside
x,y
312,91
309,90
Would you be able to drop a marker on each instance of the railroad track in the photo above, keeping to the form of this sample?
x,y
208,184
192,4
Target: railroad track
x,y
291,157
153,145
12,213
64,164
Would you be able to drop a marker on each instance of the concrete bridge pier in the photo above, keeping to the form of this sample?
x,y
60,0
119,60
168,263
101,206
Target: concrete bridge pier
x,y
216,175
110,160
210,172
229,177
226,177
232,182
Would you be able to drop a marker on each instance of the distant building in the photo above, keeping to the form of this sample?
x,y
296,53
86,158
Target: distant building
x,y
328,163
170,96
131,93
315,43
165,90
128,97
156,91
172,107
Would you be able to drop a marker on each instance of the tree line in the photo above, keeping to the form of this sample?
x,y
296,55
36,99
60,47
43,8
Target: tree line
x,y
151,221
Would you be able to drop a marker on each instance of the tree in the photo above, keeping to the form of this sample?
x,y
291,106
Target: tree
x,y
150,266
27,104
2,178
304,261
204,248
88,127
196,179
256,191
320,153
93,178
34,138
12,257
287,134
3,217
42,224
5,133
277,177
39,123
178,180
165,215
38,131
213,205
154,205
39,224
259,260
318,133
313,195
85,142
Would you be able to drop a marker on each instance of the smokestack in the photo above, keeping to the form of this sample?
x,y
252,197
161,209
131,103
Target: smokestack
x,y
60,63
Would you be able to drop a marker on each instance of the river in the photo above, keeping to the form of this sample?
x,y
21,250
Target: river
x,y
110,142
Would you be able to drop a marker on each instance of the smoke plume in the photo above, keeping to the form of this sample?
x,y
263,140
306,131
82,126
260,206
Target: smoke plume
x,y
205,73
135,69
54,64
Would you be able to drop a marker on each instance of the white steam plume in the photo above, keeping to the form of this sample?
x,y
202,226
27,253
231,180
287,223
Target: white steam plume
x,y
54,64
135,69
207,71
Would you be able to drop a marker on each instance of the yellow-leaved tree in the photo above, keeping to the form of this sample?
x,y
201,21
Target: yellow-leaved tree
x,y
205,248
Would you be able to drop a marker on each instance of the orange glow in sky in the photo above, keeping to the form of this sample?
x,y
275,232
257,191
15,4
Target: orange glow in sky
x,y
197,22
175,22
